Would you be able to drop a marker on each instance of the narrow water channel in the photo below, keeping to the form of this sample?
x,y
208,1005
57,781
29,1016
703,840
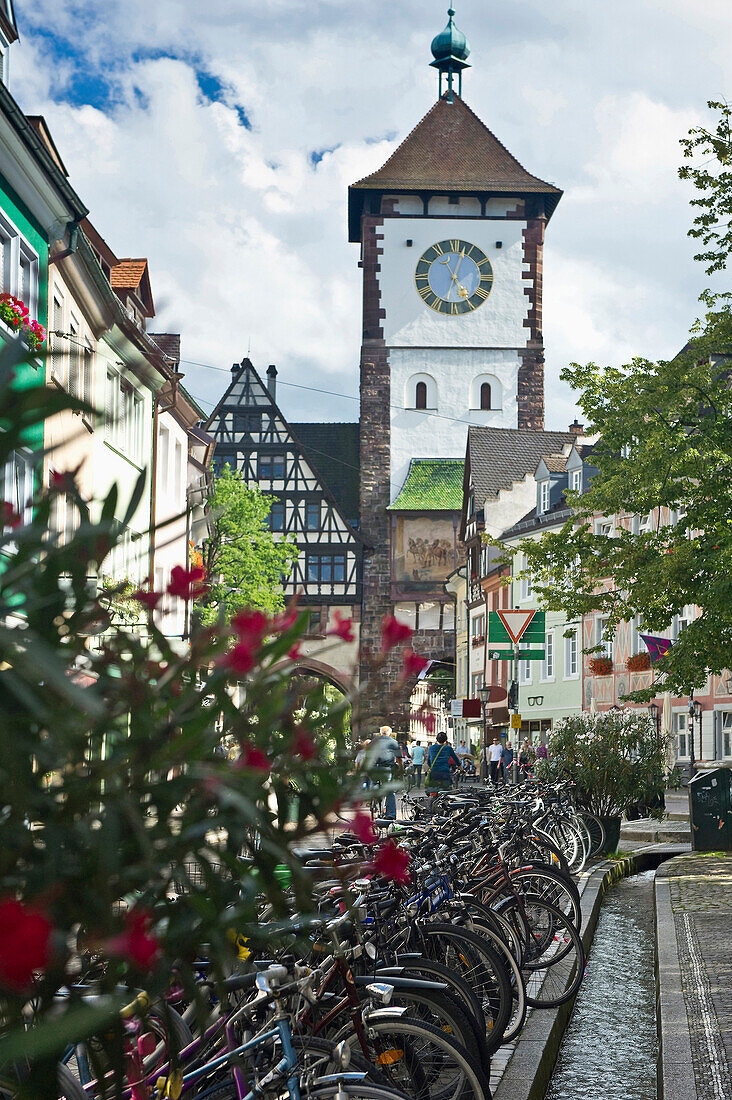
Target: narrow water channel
x,y
610,1047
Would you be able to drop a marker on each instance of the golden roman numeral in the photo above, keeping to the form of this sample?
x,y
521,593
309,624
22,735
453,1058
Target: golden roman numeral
x,y
485,260
438,250
453,309
482,293
454,246
425,293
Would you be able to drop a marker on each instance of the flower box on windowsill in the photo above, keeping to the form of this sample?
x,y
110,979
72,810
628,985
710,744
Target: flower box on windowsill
x,y
478,639
15,315
601,666
638,662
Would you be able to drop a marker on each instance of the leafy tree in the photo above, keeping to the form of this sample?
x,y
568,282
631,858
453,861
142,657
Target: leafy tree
x,y
665,450
242,558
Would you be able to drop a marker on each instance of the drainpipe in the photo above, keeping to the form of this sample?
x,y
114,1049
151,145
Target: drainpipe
x,y
153,487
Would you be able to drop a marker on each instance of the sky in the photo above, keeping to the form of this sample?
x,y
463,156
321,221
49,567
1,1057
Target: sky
x,y
218,139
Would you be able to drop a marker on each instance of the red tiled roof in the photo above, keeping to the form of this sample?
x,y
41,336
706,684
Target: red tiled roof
x,y
127,274
452,148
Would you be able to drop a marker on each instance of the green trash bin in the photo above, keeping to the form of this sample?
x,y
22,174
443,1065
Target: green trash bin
x,y
710,811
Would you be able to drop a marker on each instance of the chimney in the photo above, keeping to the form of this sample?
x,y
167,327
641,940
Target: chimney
x,y
235,368
272,381
576,428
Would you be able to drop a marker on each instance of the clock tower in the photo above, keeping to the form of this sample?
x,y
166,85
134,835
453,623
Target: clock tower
x,y
451,230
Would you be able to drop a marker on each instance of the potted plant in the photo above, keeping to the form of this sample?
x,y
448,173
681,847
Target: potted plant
x,y
638,662
15,315
601,666
615,759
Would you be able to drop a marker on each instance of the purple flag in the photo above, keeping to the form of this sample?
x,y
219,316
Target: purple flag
x,y
657,647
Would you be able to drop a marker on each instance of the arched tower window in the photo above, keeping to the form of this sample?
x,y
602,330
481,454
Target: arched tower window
x,y
485,395
420,395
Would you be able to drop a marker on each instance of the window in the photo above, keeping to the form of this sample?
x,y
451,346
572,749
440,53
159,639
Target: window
x,y
59,346
124,426
18,266
178,471
485,395
681,730
526,589
420,395
682,621
272,467
64,517
478,626
607,644
547,668
87,376
312,515
726,723
524,672
246,423
75,360
277,516
604,527
18,484
575,480
571,657
636,643
163,458
476,682
326,568
313,626
544,493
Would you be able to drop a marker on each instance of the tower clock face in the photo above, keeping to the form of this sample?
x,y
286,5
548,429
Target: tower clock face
x,y
453,277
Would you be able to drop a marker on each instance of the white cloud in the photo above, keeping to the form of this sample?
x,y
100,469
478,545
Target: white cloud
x,y
246,236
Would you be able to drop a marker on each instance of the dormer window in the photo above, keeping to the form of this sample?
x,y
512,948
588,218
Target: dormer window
x,y
575,481
544,491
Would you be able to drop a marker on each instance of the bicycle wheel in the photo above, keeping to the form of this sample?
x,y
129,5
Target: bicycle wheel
x,y
596,829
518,986
545,883
481,966
422,1061
554,960
436,971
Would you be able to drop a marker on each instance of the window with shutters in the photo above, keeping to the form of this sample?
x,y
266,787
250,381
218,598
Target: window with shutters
x,y
75,359
124,412
571,657
17,484
547,668
58,345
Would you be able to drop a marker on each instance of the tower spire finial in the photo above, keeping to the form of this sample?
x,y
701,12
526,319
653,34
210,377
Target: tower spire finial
x,y
450,50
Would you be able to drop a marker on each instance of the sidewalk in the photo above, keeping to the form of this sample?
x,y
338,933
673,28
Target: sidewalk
x,y
694,937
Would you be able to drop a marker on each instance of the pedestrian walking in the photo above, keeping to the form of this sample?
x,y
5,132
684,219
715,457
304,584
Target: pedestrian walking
x,y
418,755
440,758
507,762
525,760
385,752
495,752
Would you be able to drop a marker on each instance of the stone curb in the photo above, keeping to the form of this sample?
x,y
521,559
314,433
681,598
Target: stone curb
x,y
530,1068
675,1066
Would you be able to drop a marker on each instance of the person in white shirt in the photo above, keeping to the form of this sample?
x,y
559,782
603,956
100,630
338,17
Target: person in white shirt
x,y
495,752
418,754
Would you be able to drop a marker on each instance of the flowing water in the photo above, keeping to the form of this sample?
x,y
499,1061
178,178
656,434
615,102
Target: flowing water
x,y
610,1048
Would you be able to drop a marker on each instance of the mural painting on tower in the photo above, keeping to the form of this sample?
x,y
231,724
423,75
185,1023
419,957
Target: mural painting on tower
x,y
425,549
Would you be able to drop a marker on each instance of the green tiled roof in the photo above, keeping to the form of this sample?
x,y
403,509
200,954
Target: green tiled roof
x,y
432,485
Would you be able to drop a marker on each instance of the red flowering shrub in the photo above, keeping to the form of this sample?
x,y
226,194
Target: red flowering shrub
x,y
638,662
393,633
136,942
343,628
186,583
392,862
601,666
25,935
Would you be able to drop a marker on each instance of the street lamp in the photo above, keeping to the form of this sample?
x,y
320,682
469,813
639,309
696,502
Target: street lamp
x,y
655,711
698,716
484,694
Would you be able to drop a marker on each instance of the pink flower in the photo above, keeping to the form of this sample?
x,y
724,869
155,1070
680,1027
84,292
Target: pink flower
x,y
136,944
62,482
186,583
282,622
303,744
294,652
254,758
426,717
343,628
393,633
413,664
363,827
240,658
392,862
10,517
25,943
150,600
251,626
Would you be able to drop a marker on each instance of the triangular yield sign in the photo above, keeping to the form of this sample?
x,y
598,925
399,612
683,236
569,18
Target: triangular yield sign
x,y
516,622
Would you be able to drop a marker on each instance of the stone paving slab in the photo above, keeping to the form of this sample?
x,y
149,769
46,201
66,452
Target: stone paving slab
x,y
694,931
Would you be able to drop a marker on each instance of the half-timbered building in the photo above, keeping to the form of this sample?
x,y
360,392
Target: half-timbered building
x,y
252,436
